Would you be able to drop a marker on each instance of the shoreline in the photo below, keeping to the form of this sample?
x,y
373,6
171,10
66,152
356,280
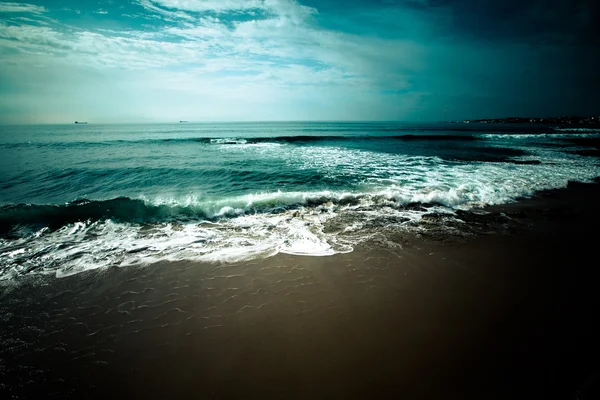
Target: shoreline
x,y
504,315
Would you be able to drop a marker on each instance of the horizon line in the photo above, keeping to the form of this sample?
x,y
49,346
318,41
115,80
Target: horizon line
x,y
223,122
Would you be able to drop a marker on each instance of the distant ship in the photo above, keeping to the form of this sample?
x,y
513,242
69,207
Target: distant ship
x,y
182,121
78,122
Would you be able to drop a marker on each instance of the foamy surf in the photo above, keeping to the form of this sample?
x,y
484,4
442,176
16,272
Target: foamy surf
x,y
245,195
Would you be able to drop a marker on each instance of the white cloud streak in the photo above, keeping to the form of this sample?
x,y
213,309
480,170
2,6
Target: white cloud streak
x,y
277,6
6,7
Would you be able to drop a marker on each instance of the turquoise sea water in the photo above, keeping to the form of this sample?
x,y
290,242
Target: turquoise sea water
x,y
77,197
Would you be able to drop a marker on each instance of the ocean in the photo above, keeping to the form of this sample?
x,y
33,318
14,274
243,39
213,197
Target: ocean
x,y
299,260
80,197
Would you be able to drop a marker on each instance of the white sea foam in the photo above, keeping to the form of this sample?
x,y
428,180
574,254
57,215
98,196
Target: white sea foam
x,y
583,133
578,129
228,141
84,246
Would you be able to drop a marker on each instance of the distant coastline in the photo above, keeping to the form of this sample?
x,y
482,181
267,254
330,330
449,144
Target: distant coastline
x,y
566,120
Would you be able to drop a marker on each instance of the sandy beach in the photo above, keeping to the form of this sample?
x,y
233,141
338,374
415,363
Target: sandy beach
x,y
502,315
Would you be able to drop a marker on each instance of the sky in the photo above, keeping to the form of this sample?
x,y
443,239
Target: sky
x,y
249,60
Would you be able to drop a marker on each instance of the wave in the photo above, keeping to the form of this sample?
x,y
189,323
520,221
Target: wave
x,y
353,127
142,211
295,139
88,234
312,139
124,209
555,135
308,139
119,232
121,209
397,185
128,210
591,130
408,138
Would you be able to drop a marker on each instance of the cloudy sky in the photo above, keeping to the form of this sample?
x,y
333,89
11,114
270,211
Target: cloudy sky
x,y
230,60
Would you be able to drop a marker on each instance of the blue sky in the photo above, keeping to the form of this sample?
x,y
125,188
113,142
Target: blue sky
x,y
232,60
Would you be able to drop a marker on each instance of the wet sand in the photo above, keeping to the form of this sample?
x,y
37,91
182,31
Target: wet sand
x,y
493,316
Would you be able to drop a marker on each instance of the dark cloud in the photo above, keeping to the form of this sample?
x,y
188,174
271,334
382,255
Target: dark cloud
x,y
538,21
534,21
492,58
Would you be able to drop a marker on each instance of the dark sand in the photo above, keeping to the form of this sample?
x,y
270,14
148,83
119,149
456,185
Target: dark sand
x,y
496,316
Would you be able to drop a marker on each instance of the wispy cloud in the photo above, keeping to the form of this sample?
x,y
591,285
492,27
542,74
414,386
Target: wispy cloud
x,y
6,7
221,6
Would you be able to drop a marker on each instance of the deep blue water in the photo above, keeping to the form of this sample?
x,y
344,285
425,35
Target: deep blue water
x,y
75,197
